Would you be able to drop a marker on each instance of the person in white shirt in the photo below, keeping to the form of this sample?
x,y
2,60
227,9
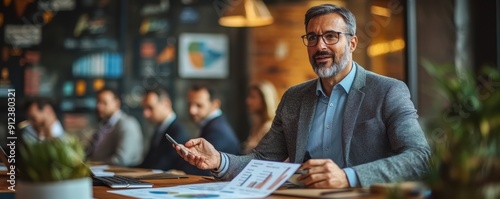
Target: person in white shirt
x,y
43,119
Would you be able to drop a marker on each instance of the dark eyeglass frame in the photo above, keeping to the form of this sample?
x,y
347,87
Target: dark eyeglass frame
x,y
305,38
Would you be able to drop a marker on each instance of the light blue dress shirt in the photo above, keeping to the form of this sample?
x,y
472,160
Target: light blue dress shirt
x,y
325,137
158,133
166,123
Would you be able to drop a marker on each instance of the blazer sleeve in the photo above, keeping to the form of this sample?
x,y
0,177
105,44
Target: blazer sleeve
x,y
406,138
272,146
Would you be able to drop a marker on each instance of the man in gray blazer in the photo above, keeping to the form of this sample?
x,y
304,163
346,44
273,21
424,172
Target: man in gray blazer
x,y
118,140
348,128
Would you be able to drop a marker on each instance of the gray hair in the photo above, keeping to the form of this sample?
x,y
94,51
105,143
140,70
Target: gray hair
x,y
324,9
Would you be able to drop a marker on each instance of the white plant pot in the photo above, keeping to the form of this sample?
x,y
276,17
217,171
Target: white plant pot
x,y
67,189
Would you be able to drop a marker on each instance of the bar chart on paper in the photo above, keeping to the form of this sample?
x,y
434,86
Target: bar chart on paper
x,y
257,180
261,177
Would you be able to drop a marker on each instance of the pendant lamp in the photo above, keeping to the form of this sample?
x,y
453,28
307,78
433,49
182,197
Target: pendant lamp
x,y
246,13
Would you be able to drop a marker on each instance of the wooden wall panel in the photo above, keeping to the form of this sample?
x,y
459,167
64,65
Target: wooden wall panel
x,y
276,51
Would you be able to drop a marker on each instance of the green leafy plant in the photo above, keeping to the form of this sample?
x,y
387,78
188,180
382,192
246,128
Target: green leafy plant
x,y
465,134
53,159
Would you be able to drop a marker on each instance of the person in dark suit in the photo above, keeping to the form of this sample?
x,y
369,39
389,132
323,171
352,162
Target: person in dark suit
x,y
118,140
348,128
204,110
157,109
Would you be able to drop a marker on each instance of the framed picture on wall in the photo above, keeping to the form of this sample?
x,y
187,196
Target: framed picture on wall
x,y
203,56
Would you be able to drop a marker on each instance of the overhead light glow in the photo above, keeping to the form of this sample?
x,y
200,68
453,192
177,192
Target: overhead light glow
x,y
378,10
386,47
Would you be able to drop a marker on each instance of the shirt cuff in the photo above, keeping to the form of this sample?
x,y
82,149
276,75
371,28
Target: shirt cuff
x,y
352,177
224,166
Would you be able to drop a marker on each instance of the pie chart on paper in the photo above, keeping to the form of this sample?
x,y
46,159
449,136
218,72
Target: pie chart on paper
x,y
163,192
197,196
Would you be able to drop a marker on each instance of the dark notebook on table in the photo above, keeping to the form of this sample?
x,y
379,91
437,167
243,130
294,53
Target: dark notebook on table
x,y
118,181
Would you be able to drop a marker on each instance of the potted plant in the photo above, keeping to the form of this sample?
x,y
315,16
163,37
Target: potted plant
x,y
53,169
465,135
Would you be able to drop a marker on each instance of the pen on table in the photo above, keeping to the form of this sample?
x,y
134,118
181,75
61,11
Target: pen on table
x,y
336,191
208,178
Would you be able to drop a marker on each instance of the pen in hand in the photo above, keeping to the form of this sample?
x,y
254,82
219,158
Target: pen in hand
x,y
302,171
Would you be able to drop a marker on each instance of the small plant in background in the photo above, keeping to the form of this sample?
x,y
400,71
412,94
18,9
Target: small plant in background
x,y
53,159
466,134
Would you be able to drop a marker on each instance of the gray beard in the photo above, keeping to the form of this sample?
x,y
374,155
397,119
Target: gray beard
x,y
333,70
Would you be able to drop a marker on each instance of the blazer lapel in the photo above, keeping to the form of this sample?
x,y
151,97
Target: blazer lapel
x,y
307,110
353,103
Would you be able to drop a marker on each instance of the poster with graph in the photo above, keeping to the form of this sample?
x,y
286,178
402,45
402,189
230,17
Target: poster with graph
x,y
203,56
261,177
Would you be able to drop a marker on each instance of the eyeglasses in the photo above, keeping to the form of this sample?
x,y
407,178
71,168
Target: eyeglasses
x,y
330,38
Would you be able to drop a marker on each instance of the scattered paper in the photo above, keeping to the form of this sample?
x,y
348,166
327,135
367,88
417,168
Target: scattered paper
x,y
261,178
205,190
98,171
102,173
258,179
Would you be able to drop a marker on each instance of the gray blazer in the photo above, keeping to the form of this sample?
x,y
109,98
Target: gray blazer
x,y
122,145
381,137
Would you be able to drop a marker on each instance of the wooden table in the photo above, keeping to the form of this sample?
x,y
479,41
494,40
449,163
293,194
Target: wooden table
x,y
100,192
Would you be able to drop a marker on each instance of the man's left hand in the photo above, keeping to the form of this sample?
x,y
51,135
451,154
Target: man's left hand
x,y
323,173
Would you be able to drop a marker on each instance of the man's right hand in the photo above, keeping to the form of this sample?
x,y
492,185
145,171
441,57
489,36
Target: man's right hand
x,y
201,154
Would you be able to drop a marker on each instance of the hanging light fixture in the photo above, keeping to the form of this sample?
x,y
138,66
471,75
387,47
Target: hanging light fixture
x,y
248,13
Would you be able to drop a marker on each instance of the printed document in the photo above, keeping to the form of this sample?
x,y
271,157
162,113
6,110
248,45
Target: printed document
x,y
258,179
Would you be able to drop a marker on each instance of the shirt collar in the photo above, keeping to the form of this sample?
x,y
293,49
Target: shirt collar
x,y
114,118
211,116
166,123
346,83
56,129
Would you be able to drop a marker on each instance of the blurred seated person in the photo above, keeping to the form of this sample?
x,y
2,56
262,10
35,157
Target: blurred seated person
x,y
42,118
118,140
262,101
157,109
204,110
